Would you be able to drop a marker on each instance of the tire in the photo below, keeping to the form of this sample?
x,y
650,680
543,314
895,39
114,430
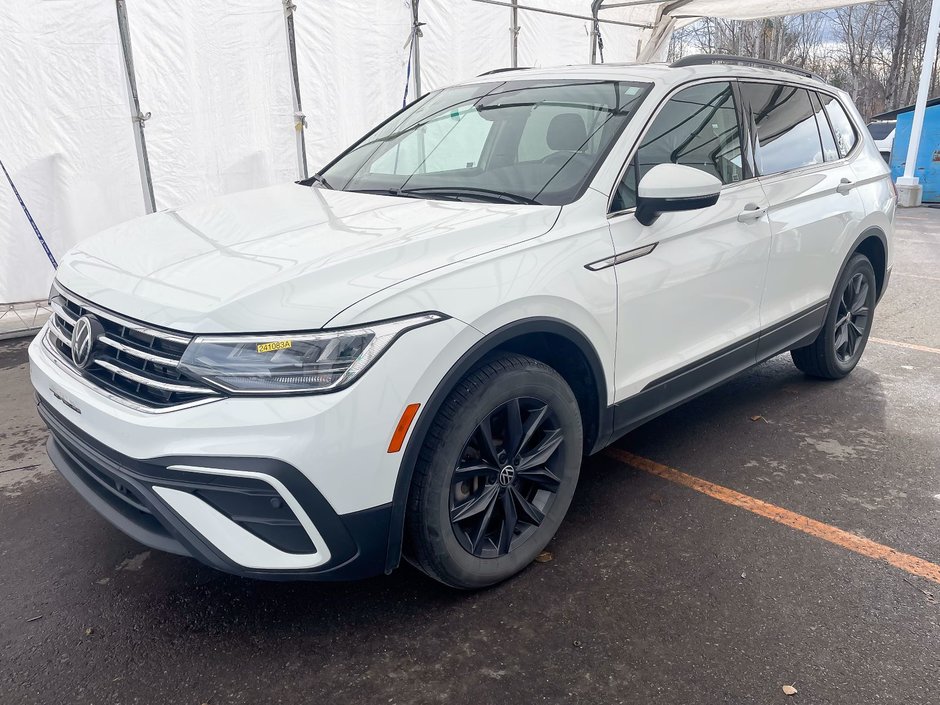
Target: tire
x,y
459,529
841,342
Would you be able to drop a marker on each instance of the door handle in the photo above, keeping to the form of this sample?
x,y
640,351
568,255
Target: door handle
x,y
844,186
751,211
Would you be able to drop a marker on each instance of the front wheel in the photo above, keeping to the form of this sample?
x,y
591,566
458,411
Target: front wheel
x,y
839,345
496,473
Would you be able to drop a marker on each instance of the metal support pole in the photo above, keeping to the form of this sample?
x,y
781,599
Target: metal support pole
x,y
909,189
416,46
595,28
138,117
300,120
514,35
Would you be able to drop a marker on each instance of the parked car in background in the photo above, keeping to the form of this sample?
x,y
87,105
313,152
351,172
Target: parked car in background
x,y
882,131
410,353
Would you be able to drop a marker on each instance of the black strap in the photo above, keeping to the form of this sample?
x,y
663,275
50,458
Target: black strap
x,y
42,241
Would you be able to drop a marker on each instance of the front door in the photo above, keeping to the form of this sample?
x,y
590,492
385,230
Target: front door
x,y
689,285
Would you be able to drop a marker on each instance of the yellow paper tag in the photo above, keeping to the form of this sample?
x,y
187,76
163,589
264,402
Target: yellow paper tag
x,y
272,346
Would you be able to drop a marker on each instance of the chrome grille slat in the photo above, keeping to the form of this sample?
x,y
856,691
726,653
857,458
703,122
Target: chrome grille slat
x,y
134,363
140,379
150,357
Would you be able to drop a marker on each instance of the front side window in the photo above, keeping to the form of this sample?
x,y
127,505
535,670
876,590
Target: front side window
x,y
841,125
534,141
787,136
697,127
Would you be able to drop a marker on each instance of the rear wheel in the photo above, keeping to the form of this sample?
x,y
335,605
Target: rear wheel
x,y
496,473
839,345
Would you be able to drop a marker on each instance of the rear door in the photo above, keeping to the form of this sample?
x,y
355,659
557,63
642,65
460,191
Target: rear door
x,y
689,285
814,208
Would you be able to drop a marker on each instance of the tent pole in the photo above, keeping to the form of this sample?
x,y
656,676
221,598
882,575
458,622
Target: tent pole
x,y
416,46
300,120
514,35
143,163
910,191
595,28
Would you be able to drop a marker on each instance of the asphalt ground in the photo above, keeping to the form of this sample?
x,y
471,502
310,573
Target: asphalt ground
x,y
657,591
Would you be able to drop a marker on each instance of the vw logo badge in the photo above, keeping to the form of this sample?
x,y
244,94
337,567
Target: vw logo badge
x,y
507,475
84,336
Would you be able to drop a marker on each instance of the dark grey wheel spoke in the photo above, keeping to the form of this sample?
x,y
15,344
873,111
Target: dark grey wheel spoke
x,y
513,428
542,477
508,527
479,536
467,472
529,511
488,446
532,424
475,505
543,451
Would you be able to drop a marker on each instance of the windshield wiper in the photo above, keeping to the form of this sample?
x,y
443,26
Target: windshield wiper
x,y
315,179
459,192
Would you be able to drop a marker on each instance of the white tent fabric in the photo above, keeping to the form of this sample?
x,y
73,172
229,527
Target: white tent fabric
x,y
216,77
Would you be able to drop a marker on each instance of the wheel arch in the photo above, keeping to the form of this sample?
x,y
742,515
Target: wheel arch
x,y
873,243
549,340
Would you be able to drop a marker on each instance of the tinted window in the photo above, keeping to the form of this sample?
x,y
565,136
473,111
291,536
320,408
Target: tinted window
x,y
880,130
787,137
697,127
841,125
830,152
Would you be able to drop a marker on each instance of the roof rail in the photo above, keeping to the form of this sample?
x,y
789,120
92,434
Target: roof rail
x,y
506,68
705,59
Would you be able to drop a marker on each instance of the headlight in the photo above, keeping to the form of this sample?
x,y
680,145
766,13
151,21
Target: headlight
x,y
286,363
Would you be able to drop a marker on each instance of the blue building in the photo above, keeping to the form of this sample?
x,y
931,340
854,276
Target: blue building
x,y
927,169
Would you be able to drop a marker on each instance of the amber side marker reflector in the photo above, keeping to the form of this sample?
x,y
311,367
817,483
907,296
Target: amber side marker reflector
x,y
404,423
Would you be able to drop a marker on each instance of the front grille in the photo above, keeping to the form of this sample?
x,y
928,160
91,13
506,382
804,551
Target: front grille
x,y
131,360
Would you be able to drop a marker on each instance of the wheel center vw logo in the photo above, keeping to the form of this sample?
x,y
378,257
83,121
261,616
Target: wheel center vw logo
x,y
84,336
507,475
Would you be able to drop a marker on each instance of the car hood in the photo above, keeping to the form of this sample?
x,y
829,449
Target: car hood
x,y
288,257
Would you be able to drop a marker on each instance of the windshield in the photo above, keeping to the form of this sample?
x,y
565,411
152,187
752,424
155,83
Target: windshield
x,y
517,142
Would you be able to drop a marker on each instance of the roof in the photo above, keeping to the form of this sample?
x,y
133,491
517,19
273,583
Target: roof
x,y
893,114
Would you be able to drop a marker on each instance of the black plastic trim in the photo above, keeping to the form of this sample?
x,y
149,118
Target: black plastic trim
x,y
357,541
679,386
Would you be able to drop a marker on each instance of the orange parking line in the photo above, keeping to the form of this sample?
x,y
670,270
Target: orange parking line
x,y
865,547
909,346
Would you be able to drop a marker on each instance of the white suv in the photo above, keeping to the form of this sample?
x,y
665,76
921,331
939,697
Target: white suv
x,y
411,352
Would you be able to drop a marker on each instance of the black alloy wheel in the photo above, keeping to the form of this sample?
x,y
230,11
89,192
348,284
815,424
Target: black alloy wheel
x,y
497,470
852,318
507,477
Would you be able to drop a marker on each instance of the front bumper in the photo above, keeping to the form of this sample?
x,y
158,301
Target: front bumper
x,y
271,487
248,516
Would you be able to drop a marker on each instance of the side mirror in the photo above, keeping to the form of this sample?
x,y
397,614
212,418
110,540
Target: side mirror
x,y
674,187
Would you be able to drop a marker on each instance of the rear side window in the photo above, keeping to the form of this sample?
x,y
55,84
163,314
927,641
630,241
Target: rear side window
x,y
697,127
842,128
787,136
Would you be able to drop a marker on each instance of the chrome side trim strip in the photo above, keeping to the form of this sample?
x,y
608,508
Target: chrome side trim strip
x,y
620,258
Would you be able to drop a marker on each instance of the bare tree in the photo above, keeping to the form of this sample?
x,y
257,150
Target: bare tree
x,y
874,51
